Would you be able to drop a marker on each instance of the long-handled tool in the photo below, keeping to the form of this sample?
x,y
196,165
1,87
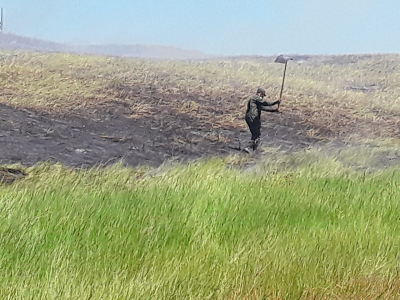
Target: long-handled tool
x,y
282,59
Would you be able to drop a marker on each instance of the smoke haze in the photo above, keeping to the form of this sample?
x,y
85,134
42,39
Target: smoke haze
x,y
218,27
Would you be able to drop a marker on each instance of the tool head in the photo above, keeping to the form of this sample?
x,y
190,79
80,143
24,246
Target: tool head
x,y
282,59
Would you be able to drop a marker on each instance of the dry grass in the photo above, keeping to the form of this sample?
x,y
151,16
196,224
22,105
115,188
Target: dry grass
x,y
304,226
338,98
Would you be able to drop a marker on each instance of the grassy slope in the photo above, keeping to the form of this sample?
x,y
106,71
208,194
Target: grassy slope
x,y
362,97
204,231
200,231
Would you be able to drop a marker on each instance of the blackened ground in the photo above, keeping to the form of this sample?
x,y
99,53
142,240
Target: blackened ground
x,y
105,137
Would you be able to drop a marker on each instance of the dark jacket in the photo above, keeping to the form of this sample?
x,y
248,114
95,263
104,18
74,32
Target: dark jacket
x,y
255,105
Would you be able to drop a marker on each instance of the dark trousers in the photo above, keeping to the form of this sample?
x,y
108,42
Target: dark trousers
x,y
255,129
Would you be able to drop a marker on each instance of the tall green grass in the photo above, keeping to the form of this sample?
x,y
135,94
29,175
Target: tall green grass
x,y
200,231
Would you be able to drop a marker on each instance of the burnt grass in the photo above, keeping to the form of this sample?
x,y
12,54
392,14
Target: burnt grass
x,y
145,113
108,134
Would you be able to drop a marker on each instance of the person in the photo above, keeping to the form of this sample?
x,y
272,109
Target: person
x,y
253,117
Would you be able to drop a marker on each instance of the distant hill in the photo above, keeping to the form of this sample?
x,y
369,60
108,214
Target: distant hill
x,y
16,42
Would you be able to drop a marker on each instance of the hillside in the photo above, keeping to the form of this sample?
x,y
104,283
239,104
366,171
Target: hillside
x,y
98,200
16,42
84,110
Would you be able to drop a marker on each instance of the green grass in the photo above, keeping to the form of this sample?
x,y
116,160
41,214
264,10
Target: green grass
x,y
317,225
201,231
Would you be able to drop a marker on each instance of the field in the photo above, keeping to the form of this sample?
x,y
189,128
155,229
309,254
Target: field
x,y
84,111
121,179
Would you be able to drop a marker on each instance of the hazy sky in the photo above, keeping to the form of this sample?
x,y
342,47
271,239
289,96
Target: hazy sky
x,y
227,27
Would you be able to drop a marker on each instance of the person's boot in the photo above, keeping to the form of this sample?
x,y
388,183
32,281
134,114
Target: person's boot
x,y
256,144
247,150
250,147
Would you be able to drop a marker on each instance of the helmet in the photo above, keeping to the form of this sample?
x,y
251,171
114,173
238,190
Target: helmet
x,y
261,91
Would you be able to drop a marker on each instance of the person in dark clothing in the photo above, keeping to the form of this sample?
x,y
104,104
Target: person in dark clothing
x,y
253,116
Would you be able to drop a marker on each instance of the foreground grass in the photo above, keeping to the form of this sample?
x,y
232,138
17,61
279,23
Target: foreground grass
x,y
202,231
